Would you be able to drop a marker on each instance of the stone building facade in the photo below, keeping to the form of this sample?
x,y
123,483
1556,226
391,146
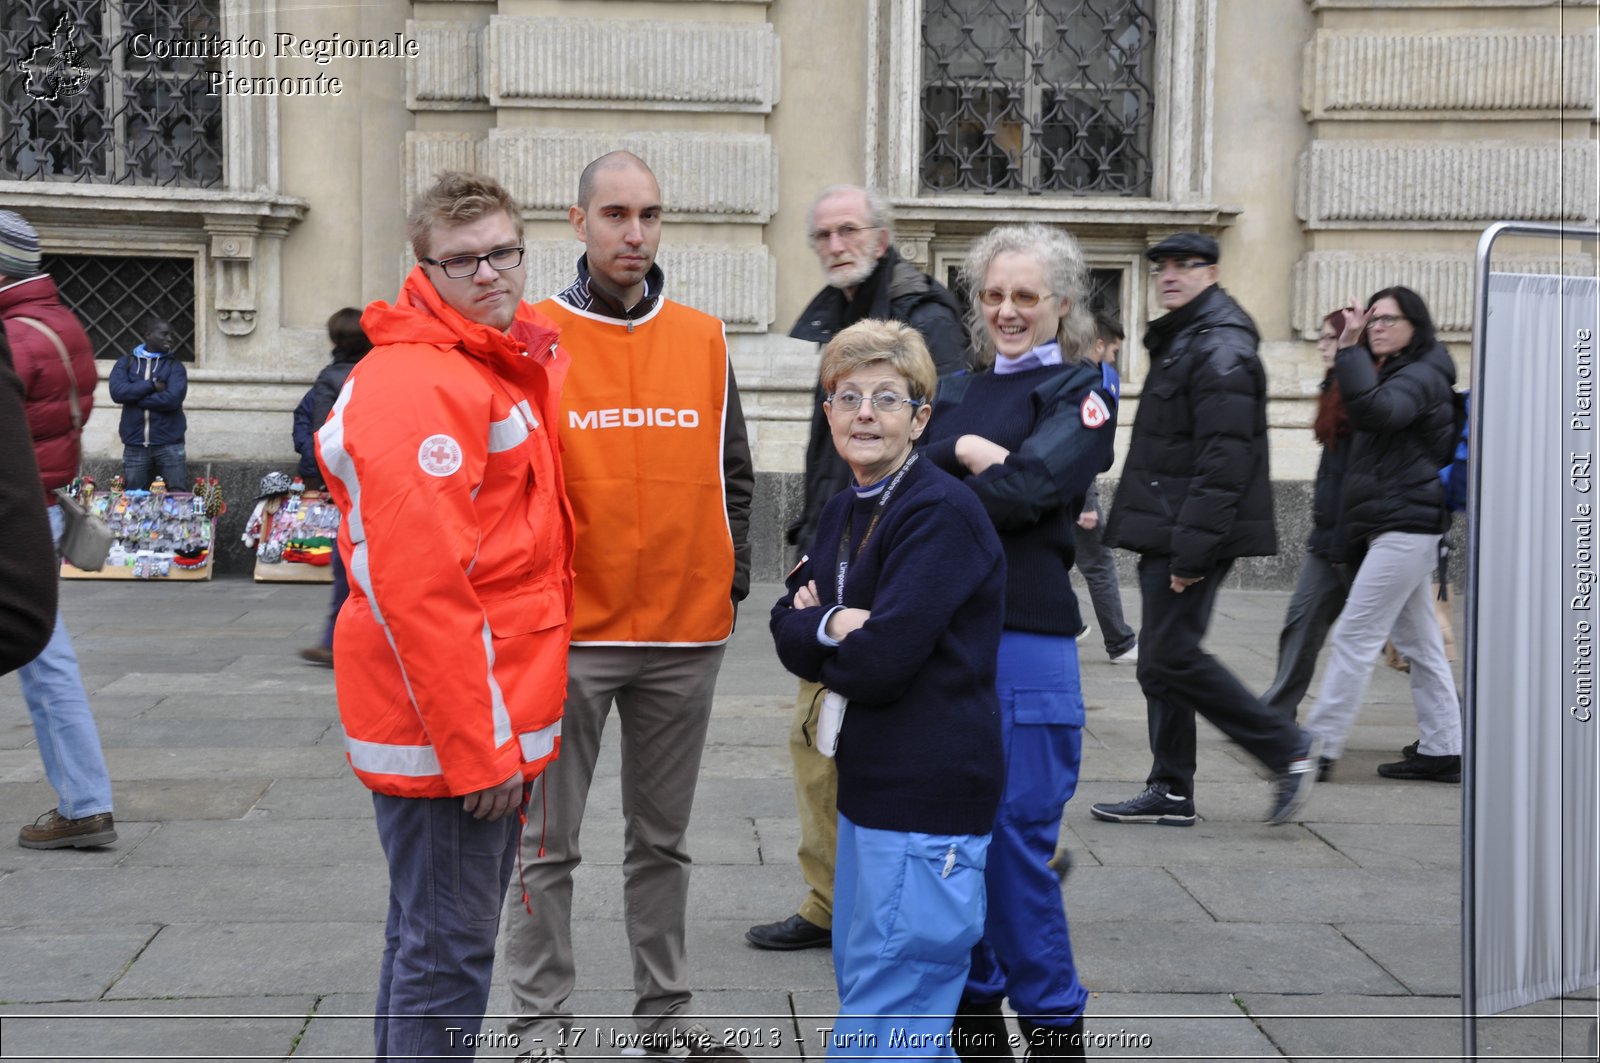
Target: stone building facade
x,y
244,165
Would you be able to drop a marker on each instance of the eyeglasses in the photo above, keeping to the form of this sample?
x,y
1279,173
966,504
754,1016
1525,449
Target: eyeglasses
x,y
847,233
463,266
883,401
1181,265
1387,320
1022,299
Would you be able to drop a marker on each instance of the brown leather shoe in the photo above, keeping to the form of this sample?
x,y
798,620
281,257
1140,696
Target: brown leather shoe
x,y
318,655
55,831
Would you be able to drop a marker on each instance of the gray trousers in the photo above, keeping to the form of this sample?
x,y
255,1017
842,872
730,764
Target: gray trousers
x,y
1099,570
1390,599
1318,596
663,699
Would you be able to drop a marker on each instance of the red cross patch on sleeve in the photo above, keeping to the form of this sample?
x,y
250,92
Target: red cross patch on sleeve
x,y
1094,411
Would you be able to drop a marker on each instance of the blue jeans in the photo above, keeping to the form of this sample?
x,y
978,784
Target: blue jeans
x,y
69,744
907,910
341,591
447,879
141,465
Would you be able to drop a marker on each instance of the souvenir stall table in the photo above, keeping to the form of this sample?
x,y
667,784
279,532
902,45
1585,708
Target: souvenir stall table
x,y
159,534
293,530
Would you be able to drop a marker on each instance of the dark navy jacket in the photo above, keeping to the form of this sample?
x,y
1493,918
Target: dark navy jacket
x,y
151,392
920,746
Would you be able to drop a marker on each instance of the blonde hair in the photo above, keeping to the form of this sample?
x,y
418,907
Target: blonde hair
x,y
1063,264
868,342
457,198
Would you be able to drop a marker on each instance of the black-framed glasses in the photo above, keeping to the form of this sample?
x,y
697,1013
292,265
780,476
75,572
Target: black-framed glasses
x,y
1022,298
883,401
1388,320
1182,265
460,267
846,232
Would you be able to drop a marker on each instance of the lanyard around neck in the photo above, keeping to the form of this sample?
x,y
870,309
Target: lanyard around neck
x,y
845,557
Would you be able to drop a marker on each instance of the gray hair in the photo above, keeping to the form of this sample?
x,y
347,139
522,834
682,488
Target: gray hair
x,y
1063,264
879,214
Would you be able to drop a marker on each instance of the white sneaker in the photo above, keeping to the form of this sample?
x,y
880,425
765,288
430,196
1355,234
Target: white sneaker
x,y
1127,656
1088,629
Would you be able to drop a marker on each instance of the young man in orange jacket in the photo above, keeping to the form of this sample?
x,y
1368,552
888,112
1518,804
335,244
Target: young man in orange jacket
x,y
661,481
441,452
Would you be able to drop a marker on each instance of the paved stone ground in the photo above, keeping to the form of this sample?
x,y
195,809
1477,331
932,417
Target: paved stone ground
x,y
239,916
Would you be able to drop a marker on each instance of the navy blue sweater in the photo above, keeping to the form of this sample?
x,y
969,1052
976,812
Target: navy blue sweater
x,y
1044,417
920,746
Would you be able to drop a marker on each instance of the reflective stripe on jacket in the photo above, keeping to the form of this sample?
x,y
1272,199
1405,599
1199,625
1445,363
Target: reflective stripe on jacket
x,y
441,454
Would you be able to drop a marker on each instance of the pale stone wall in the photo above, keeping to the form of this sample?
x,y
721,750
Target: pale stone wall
x,y
1333,146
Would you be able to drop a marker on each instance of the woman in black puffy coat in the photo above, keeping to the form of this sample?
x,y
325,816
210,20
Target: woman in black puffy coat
x,y
1397,382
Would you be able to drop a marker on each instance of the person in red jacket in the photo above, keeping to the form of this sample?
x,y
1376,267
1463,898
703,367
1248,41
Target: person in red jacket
x,y
441,453
55,362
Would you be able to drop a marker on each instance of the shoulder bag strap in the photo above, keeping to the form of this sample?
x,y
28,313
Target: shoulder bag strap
x,y
66,364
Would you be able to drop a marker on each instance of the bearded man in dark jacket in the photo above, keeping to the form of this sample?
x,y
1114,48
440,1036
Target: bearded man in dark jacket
x,y
850,229
1195,495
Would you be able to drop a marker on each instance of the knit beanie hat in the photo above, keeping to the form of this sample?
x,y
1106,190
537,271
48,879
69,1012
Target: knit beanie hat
x,y
19,246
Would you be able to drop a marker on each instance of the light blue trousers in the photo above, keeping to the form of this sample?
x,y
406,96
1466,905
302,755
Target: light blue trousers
x,y
907,909
69,743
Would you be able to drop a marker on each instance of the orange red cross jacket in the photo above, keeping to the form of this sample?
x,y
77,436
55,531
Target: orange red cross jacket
x,y
441,453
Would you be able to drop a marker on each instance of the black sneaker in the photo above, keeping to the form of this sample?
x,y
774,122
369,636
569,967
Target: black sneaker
x,y
1410,751
1155,805
1292,789
1424,767
1325,768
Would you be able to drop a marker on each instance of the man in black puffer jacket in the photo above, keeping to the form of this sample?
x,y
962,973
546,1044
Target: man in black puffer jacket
x,y
1195,495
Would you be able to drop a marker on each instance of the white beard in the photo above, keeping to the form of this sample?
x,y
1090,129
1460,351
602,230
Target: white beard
x,y
854,276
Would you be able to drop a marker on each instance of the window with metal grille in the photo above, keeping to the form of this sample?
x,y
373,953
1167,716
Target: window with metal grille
x,y
86,94
114,295
1037,96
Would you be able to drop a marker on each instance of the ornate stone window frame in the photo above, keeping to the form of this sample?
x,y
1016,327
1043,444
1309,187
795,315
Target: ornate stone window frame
x,y
223,228
1180,138
1113,230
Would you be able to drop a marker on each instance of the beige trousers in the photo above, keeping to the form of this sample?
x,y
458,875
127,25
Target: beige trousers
x,y
816,796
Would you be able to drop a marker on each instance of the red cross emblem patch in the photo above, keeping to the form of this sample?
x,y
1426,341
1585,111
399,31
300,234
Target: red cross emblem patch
x,y
1094,411
439,455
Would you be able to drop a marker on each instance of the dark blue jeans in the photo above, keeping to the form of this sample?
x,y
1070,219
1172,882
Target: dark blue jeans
x,y
141,465
447,880
341,591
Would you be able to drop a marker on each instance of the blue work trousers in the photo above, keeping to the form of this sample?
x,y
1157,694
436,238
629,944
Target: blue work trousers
x,y
907,910
447,880
1026,951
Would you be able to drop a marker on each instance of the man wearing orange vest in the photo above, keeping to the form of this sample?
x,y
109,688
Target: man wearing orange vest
x,y
441,453
661,481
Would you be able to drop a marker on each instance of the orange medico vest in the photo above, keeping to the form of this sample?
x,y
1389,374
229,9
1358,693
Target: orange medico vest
x,y
442,455
642,421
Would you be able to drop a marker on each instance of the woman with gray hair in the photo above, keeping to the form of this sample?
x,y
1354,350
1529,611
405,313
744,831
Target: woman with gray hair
x,y
1028,435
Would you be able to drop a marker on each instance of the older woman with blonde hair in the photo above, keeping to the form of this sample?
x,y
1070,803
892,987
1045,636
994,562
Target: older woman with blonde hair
x,y
896,611
1028,435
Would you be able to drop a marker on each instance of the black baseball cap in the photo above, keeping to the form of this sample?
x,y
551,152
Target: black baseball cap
x,y
1186,245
